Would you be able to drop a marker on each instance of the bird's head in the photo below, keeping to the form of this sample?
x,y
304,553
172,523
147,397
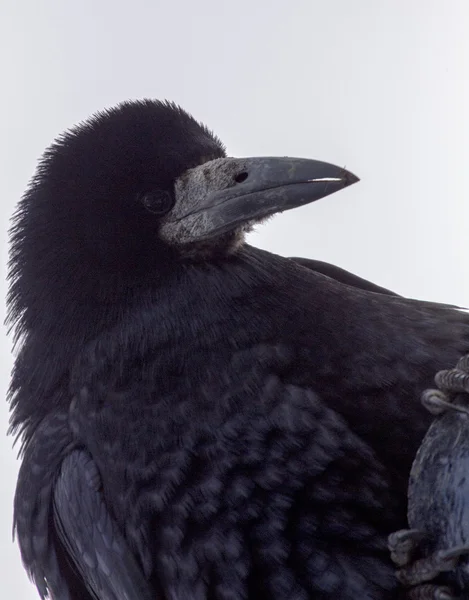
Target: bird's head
x,y
138,186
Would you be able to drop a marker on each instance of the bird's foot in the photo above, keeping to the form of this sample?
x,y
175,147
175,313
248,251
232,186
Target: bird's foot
x,y
449,383
402,545
428,591
415,574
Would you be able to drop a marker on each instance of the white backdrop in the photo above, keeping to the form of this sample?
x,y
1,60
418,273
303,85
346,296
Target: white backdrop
x,y
380,86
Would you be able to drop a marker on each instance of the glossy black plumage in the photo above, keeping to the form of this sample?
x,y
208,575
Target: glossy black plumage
x,y
247,424
319,266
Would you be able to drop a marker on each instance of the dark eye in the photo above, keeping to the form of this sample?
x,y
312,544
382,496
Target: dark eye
x,y
158,202
240,177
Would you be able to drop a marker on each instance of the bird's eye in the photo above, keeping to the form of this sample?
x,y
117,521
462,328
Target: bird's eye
x,y
240,177
158,202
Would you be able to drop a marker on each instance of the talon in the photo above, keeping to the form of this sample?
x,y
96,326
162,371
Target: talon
x,y
450,557
426,569
431,592
436,402
452,380
463,364
402,543
444,594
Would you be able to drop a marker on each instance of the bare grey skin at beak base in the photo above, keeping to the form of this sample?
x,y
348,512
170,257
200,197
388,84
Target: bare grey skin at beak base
x,y
223,194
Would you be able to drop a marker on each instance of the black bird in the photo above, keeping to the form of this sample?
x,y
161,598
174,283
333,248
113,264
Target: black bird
x,y
202,419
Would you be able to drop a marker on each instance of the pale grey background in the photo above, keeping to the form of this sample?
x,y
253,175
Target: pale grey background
x,y
377,85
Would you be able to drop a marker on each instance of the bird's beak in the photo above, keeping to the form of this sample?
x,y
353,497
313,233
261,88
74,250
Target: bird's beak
x,y
224,194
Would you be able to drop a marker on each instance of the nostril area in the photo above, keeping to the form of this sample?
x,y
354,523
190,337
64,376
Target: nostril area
x,y
240,177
